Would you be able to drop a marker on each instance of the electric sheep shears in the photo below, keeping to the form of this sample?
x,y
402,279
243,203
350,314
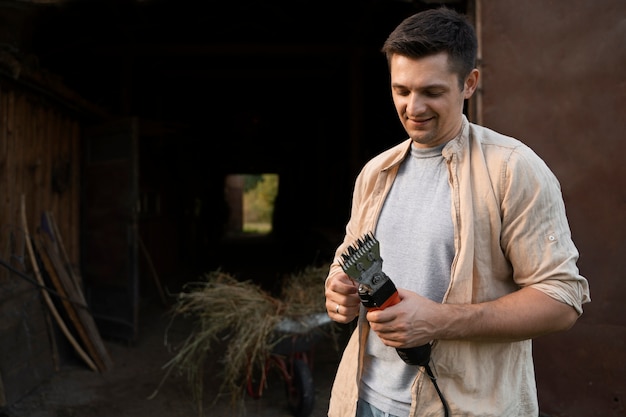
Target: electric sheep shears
x,y
362,263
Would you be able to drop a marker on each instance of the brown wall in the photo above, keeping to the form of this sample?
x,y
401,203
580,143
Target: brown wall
x,y
39,155
553,76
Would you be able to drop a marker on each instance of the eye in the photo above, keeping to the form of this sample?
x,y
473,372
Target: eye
x,y
402,92
434,93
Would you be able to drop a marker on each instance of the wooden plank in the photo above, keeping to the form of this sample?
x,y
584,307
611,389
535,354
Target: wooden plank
x,y
67,302
13,159
53,310
74,290
51,227
73,302
3,400
7,158
72,218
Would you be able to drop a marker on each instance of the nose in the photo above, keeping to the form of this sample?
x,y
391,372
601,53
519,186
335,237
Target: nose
x,y
416,105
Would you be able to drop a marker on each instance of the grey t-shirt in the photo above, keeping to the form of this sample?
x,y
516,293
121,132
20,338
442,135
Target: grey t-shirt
x,y
416,238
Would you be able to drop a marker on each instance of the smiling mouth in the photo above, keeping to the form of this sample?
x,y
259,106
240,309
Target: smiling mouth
x,y
420,122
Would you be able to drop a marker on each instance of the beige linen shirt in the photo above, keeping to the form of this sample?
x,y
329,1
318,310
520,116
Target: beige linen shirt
x,y
510,231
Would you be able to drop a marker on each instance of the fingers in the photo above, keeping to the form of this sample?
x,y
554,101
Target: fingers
x,y
341,283
340,312
342,301
380,316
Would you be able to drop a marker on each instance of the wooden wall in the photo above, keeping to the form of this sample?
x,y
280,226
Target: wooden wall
x,y
39,162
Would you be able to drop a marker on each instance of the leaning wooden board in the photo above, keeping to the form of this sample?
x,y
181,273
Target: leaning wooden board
x,y
73,302
53,310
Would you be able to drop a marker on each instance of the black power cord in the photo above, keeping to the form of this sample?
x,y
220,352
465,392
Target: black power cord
x,y
431,375
420,356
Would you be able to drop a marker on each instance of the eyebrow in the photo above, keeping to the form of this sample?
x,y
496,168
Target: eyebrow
x,y
426,87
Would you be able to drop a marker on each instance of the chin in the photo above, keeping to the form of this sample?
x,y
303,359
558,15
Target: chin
x,y
421,137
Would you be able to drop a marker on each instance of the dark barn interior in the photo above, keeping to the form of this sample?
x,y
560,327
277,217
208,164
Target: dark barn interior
x,y
127,118
210,89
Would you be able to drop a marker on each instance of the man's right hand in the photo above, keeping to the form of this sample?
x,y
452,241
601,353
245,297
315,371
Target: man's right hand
x,y
342,299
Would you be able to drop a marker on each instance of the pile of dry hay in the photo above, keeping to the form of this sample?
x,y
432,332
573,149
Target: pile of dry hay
x,y
242,317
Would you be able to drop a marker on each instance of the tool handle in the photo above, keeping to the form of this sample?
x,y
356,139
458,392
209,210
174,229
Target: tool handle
x,y
392,300
419,355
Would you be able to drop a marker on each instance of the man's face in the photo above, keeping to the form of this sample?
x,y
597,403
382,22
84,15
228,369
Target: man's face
x,y
428,99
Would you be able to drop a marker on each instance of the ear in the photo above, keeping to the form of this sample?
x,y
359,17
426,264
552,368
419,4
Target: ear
x,y
471,83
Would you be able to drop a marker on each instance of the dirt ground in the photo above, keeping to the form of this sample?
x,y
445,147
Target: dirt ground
x,y
137,372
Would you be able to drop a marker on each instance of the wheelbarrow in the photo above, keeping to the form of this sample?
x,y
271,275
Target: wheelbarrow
x,y
292,357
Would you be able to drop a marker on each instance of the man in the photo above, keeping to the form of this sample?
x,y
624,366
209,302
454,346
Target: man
x,y
472,231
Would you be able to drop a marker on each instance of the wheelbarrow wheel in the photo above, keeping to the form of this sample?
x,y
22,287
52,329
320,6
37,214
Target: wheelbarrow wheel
x,y
301,391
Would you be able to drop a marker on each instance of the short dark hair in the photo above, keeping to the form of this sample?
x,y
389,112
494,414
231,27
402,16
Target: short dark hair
x,y
433,31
